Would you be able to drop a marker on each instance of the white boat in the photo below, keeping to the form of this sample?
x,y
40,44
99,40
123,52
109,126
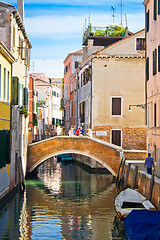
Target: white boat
x,y
130,199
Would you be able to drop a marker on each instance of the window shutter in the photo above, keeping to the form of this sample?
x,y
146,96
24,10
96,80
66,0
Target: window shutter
x,y
158,58
15,83
147,21
155,115
147,69
155,62
5,157
155,10
159,7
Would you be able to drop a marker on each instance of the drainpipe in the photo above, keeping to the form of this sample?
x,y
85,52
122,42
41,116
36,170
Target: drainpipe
x,y
76,120
145,77
91,98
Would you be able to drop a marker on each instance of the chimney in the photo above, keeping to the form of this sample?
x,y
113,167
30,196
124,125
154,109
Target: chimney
x,y
20,7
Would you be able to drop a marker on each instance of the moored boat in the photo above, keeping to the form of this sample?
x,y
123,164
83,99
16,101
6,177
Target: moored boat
x,y
129,200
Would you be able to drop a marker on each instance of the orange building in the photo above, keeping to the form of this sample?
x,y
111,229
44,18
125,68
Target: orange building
x,y
71,63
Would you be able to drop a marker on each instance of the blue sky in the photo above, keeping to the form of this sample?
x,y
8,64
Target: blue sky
x,y
55,27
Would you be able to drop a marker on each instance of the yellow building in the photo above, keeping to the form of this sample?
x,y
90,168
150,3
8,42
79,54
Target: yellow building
x,y
6,60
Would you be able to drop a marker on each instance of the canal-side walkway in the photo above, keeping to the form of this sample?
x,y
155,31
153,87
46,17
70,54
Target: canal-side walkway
x,y
135,175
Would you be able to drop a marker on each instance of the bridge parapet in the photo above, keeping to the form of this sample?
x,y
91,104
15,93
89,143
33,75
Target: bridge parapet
x,y
105,153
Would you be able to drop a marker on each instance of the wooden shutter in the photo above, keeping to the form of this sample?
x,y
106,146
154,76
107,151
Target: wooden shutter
x,y
116,106
15,84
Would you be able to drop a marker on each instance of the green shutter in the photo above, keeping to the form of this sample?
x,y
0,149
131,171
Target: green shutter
x,y
15,84
158,58
147,69
147,21
159,7
5,156
155,62
155,10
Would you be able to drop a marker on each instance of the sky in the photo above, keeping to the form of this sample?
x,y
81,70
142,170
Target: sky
x,y
55,27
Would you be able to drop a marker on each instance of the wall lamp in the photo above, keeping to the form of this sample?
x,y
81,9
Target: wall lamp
x,y
143,106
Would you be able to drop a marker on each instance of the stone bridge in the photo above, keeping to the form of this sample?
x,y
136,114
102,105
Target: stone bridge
x,y
105,153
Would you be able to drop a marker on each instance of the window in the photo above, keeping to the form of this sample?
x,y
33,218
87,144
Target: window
x,y
5,85
8,86
155,62
57,95
147,21
38,113
155,10
82,113
116,137
140,44
54,93
155,115
147,69
14,36
158,6
116,106
76,64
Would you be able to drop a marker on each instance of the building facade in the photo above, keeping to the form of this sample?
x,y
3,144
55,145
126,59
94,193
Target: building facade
x,y
14,36
152,12
71,63
6,60
108,82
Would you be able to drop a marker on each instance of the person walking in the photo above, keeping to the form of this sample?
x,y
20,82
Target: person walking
x,y
89,133
78,132
70,133
149,163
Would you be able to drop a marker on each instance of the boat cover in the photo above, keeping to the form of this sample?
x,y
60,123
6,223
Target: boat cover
x,y
143,225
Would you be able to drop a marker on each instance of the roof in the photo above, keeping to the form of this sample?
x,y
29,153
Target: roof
x,y
121,41
19,21
77,52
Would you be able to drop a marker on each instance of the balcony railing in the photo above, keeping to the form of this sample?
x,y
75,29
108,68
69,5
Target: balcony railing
x,y
108,31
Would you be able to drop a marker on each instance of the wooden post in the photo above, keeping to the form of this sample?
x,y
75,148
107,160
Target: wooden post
x,y
21,175
151,187
122,172
117,179
127,175
134,177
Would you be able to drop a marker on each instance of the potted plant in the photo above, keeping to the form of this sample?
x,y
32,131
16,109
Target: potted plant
x,y
24,111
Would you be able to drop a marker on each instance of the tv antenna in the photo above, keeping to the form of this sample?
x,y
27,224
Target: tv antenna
x,y
121,5
113,8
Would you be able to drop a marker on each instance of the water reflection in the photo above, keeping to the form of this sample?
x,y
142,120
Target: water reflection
x,y
64,202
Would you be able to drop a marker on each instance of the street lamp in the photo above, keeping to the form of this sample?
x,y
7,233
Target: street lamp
x,y
143,106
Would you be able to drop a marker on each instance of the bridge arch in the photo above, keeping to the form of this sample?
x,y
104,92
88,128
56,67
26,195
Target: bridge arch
x,y
106,154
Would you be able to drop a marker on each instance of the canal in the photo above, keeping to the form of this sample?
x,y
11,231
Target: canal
x,y
64,201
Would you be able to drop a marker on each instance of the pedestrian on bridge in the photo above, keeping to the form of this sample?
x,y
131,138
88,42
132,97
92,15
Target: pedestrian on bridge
x,y
70,133
149,163
78,132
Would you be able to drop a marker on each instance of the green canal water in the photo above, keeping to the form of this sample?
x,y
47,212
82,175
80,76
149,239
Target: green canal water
x,y
62,202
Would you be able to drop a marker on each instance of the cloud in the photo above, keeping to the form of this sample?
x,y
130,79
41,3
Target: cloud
x,y
70,27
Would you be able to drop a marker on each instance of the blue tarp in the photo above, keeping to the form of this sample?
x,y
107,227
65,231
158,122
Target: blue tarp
x,y
143,225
